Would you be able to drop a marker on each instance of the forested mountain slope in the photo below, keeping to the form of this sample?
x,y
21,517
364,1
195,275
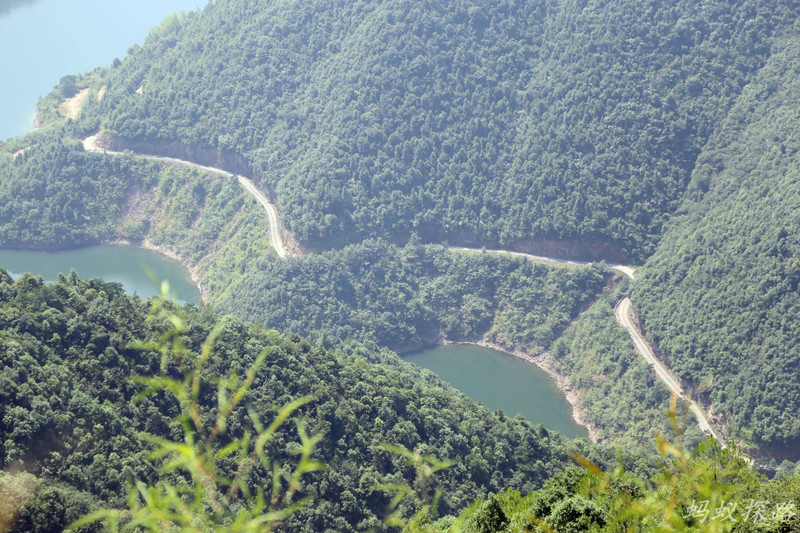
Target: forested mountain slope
x,y
57,195
503,122
621,396
508,123
720,295
54,194
68,415
412,297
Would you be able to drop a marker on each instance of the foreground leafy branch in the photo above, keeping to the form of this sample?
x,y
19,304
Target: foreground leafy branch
x,y
425,466
206,497
707,489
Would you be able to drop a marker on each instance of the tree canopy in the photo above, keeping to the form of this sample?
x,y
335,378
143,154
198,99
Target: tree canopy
x,y
69,416
720,293
505,123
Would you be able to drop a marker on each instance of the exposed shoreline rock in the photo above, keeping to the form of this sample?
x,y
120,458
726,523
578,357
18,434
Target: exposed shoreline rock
x,y
573,395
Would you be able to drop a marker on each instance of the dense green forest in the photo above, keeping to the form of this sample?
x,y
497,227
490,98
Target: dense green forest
x,y
403,298
620,394
711,491
630,131
55,194
400,297
410,297
720,294
498,122
75,428
68,415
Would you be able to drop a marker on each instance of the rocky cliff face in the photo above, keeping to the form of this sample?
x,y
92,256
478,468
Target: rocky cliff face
x,y
203,156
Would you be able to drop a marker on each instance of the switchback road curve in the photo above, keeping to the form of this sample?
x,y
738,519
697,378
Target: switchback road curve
x,y
624,315
623,310
275,237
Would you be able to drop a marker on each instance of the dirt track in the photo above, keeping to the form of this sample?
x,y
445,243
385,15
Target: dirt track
x,y
624,314
275,238
623,310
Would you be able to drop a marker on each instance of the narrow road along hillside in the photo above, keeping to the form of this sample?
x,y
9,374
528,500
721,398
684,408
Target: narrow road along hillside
x,y
624,313
623,310
627,270
275,238
272,214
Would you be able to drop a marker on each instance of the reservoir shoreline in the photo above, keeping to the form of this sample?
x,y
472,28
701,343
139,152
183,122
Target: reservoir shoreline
x,y
573,395
562,382
145,244
194,271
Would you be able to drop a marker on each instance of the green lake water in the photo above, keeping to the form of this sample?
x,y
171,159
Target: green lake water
x,y
128,265
44,40
502,381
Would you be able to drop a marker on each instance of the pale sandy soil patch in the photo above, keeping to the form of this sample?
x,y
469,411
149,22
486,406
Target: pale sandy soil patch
x,y
20,152
89,144
292,245
70,107
101,93
136,209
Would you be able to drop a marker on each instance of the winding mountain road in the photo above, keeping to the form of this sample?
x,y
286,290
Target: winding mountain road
x,y
623,310
624,313
275,239
627,270
272,214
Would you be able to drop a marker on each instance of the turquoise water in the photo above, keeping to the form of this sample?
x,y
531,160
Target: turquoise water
x,y
502,381
44,40
128,265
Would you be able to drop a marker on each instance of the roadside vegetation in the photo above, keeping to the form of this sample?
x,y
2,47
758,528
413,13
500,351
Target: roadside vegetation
x,y
414,296
720,294
219,462
642,132
491,122
72,422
